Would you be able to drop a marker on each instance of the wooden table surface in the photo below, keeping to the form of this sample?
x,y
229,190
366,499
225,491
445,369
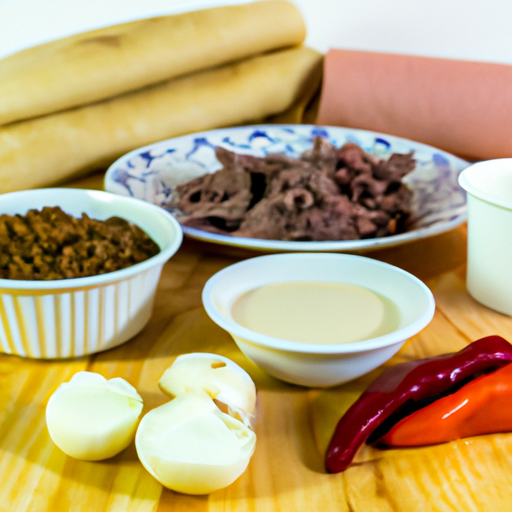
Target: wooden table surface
x,y
293,423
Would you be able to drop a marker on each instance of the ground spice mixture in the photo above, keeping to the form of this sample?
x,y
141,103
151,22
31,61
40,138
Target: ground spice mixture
x,y
50,244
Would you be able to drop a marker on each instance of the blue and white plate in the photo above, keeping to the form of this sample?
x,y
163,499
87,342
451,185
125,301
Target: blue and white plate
x,y
151,173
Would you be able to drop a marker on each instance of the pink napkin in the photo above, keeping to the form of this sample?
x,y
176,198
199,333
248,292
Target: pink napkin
x,y
463,107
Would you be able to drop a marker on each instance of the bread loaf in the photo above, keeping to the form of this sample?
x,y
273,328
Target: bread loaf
x,y
106,62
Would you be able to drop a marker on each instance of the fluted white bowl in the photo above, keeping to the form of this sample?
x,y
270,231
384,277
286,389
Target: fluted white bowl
x,y
73,317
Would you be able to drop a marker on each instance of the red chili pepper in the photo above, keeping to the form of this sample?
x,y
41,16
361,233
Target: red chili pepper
x,y
403,388
480,407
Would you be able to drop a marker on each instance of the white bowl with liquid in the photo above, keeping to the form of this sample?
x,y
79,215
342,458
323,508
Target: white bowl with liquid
x,y
407,307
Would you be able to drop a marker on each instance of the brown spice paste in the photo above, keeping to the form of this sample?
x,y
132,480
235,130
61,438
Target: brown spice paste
x,y
50,244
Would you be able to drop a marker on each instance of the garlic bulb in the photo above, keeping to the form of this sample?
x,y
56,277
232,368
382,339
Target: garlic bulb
x,y
197,443
189,445
92,418
218,376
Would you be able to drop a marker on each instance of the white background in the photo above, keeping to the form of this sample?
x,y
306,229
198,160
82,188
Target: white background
x,y
463,29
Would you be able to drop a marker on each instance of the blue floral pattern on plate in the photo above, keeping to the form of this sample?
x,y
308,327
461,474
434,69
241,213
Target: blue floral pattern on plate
x,y
151,173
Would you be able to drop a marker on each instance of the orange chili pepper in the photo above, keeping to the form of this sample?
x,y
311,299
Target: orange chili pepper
x,y
407,387
483,406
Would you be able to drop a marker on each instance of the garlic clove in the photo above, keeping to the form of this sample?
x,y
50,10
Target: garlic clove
x,y
189,445
221,378
92,418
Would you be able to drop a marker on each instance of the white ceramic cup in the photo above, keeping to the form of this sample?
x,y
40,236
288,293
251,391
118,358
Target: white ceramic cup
x,y
489,267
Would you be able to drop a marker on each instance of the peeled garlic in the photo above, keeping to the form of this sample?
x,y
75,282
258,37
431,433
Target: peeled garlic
x,y
189,445
92,418
218,376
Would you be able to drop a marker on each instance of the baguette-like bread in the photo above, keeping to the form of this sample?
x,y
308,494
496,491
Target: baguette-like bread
x,y
50,149
102,63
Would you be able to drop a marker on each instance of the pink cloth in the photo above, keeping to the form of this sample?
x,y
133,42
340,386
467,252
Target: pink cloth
x,y
462,107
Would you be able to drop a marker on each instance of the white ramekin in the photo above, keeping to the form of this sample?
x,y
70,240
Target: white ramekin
x,y
489,270
74,317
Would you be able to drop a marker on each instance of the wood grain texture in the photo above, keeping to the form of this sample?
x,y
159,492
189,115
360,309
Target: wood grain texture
x,y
293,423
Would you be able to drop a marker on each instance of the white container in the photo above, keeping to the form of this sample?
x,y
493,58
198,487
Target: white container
x,y
313,364
74,317
489,267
